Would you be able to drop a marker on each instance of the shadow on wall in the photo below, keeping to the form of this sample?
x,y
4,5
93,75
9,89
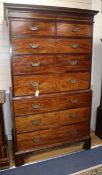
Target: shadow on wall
x,y
7,116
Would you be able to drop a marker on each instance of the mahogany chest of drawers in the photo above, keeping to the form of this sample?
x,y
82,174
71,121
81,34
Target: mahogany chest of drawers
x,y
4,160
51,55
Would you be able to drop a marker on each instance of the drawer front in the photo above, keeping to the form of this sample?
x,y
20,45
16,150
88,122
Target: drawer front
x,y
28,46
75,30
33,45
32,28
49,64
29,84
45,138
54,102
51,120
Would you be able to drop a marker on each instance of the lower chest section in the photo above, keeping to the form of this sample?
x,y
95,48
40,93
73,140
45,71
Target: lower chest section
x,y
50,120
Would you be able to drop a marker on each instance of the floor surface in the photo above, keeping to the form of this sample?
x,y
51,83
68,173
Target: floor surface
x,y
54,152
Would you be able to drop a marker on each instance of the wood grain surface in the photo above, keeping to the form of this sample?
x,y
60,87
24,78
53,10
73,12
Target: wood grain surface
x,y
25,45
40,139
29,84
67,29
40,64
54,102
51,120
45,28
28,27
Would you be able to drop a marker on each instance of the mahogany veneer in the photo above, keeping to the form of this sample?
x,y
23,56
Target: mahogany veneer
x,y
51,75
52,136
50,83
25,45
51,120
4,159
50,64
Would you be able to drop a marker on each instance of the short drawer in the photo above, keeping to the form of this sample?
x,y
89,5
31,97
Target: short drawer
x,y
39,45
74,30
51,120
27,27
29,84
33,45
54,136
53,102
49,64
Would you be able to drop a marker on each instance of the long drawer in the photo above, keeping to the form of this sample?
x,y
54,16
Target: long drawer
x,y
29,84
39,64
54,102
50,120
27,27
45,138
39,45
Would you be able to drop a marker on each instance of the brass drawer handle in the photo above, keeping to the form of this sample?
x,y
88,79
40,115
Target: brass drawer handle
x,y
34,46
73,62
35,64
73,81
36,122
36,140
35,84
74,101
74,45
75,29
36,106
34,28
73,115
